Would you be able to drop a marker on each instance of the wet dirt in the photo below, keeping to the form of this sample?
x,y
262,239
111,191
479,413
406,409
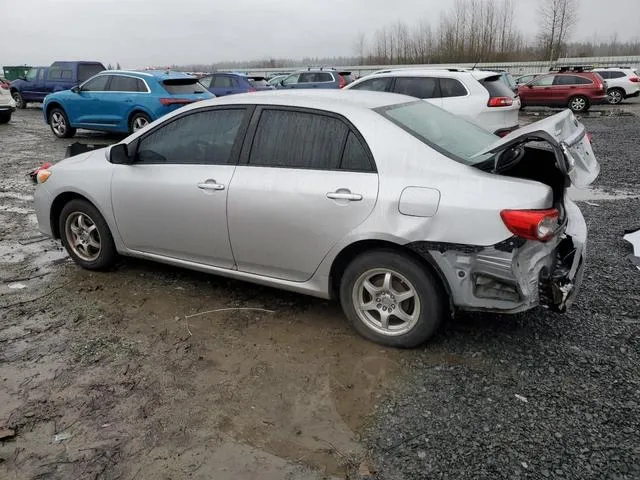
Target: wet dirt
x,y
105,375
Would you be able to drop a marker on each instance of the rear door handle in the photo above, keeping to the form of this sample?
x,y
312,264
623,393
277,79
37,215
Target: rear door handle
x,y
344,195
210,185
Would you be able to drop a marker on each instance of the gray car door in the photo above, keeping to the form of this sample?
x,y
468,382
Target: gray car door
x,y
172,200
304,181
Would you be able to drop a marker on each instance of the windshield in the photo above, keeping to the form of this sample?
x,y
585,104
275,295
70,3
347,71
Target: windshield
x,y
451,135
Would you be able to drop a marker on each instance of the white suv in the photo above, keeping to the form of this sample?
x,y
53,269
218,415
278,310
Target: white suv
x,y
7,104
622,83
479,96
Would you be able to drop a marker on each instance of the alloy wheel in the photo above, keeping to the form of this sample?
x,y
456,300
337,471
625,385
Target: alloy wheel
x,y
83,236
58,124
614,97
139,122
578,104
386,301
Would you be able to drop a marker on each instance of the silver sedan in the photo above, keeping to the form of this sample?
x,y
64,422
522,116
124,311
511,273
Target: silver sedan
x,y
403,212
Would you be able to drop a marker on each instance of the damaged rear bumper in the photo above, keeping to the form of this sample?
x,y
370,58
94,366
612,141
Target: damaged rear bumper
x,y
514,275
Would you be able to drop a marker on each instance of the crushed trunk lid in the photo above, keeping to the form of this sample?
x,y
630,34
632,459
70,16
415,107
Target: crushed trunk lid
x,y
566,135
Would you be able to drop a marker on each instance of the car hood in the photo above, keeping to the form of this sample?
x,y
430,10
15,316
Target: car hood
x,y
568,138
98,153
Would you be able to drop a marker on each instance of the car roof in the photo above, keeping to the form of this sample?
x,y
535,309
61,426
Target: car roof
x,y
338,101
445,72
158,74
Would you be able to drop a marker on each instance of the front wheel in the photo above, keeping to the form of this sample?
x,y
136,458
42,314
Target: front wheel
x,y
59,123
391,299
579,104
17,97
86,236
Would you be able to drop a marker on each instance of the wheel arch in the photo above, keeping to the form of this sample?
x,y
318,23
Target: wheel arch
x,y
58,204
50,106
351,251
138,109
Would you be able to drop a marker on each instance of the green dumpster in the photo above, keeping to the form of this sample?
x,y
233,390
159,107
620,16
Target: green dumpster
x,y
15,72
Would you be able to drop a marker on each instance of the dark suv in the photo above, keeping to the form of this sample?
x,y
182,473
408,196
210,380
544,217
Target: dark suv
x,y
576,90
320,77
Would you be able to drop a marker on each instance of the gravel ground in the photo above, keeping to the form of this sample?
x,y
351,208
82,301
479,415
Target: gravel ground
x,y
540,395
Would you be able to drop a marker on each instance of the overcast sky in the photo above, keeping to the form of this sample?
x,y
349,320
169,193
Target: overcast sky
x,y
162,32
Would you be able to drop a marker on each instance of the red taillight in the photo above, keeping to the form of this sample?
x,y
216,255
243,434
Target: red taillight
x,y
341,82
532,224
634,79
500,102
251,89
4,86
589,137
175,101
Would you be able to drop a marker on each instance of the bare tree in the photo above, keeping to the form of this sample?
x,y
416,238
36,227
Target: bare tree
x,y
360,46
557,19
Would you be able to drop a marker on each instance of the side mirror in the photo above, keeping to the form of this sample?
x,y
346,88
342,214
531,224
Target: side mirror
x,y
75,89
119,154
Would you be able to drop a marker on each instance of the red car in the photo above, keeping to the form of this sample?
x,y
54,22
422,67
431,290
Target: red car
x,y
576,90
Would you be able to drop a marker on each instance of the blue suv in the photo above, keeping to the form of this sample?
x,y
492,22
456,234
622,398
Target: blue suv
x,y
221,84
120,101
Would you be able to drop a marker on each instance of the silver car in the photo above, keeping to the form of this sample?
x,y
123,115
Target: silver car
x,y
399,209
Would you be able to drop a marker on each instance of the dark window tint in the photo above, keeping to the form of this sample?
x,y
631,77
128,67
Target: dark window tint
x,y
307,77
86,71
450,87
381,84
97,84
419,87
355,156
617,74
605,75
184,86
222,81
56,73
324,77
297,139
120,83
199,138
571,80
497,87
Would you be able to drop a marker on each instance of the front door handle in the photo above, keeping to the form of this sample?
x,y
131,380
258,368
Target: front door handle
x,y
344,195
210,185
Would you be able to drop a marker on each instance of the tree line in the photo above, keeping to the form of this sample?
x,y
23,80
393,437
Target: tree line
x,y
468,32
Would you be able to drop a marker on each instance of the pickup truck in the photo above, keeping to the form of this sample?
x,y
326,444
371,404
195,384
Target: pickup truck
x,y
41,81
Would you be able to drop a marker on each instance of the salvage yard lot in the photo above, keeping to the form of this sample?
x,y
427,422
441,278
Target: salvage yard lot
x,y
113,375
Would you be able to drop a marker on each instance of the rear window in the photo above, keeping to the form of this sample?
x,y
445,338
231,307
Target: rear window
x,y
56,73
450,87
86,71
449,134
496,87
183,86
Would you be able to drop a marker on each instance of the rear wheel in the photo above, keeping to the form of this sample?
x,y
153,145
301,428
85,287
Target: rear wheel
x,y
17,97
86,236
59,123
615,96
138,121
579,103
390,299
5,117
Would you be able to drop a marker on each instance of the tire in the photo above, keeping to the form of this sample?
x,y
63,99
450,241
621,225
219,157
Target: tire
x,y
423,311
86,236
5,117
20,103
579,104
59,123
615,96
138,121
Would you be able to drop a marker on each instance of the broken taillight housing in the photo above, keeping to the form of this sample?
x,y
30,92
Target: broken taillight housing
x,y
500,102
538,225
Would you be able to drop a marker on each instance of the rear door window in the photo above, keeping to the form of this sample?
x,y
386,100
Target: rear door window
x,y
57,73
307,77
616,74
604,74
496,86
86,71
450,87
323,77
293,139
355,156
543,81
382,84
419,87
121,83
222,81
571,80
183,86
